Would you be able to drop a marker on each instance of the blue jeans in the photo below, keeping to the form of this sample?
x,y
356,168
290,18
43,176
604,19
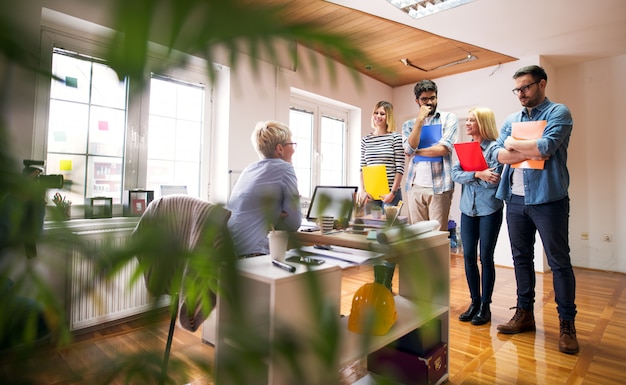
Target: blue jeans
x,y
484,229
551,220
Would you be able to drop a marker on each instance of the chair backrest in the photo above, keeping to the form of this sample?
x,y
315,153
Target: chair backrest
x,y
171,231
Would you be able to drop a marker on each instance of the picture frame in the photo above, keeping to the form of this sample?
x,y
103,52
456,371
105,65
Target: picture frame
x,y
135,202
138,206
98,207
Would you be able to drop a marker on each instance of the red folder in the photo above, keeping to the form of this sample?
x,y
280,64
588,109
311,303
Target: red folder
x,y
470,156
529,130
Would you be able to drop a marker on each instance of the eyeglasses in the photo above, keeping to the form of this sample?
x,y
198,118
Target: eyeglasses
x,y
294,144
523,89
426,100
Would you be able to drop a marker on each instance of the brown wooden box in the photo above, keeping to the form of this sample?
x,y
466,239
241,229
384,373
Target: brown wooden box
x,y
408,368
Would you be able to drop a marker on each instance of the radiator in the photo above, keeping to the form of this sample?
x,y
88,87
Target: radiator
x,y
94,301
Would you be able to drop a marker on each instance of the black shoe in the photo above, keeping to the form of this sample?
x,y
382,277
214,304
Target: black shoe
x,y
470,312
483,316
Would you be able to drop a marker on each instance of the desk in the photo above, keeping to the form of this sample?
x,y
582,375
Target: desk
x,y
273,299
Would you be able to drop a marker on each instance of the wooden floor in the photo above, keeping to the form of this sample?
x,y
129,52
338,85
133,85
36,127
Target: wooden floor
x,y
478,354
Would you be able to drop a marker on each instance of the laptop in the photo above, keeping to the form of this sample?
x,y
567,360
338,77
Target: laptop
x,y
334,201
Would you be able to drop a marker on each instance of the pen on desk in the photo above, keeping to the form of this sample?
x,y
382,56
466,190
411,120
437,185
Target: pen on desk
x,y
284,266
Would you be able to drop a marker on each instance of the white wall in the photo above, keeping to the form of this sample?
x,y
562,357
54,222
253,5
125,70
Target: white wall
x,y
596,93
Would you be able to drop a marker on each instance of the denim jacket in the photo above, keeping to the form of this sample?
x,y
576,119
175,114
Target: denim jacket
x,y
551,183
477,196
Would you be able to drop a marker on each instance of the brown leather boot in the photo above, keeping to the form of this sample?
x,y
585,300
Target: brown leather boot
x,y
522,321
567,341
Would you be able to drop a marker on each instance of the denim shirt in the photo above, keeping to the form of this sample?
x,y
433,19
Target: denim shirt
x,y
551,183
478,198
442,181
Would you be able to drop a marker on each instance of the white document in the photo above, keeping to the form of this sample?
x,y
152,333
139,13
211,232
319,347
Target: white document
x,y
354,256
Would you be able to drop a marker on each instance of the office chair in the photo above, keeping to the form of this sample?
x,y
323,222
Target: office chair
x,y
182,240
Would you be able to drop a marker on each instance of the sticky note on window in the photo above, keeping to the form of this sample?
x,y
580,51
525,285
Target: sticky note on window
x,y
71,82
59,136
103,125
65,165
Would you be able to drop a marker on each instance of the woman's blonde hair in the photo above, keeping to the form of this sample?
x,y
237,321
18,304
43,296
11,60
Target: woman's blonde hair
x,y
391,121
486,120
267,135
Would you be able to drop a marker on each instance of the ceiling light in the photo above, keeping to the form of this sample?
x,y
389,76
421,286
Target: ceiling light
x,y
421,8
469,58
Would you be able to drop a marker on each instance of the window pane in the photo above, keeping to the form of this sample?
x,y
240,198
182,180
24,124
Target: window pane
x,y
175,134
75,78
67,127
161,136
72,167
87,117
107,130
106,89
332,150
104,177
301,125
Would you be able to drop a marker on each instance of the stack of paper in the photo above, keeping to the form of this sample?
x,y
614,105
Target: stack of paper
x,y
346,255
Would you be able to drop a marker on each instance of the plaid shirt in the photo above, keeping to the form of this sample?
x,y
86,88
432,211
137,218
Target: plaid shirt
x,y
441,171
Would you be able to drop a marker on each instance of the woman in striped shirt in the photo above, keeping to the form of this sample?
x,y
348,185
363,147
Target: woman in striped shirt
x,y
383,146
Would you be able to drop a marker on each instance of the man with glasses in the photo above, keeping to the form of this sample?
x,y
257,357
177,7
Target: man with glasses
x,y
428,141
537,200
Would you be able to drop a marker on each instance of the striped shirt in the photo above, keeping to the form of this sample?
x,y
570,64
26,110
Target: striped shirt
x,y
384,149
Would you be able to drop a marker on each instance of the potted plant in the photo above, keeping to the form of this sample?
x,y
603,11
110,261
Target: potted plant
x,y
63,206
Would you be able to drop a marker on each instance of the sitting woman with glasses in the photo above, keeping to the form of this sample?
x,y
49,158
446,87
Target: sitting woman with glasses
x,y
266,194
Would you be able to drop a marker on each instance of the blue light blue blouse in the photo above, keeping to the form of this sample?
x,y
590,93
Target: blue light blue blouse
x,y
478,198
263,191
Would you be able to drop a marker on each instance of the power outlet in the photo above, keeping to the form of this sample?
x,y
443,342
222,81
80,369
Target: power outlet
x,y
584,236
607,237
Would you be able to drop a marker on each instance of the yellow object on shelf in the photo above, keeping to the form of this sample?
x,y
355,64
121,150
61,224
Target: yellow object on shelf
x,y
373,306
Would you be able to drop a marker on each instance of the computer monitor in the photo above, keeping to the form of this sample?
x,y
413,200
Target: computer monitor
x,y
335,201
173,189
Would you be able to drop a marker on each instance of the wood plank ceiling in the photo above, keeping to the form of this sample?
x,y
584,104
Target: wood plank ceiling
x,y
385,42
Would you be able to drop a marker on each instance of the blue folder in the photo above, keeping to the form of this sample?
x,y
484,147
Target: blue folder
x,y
430,135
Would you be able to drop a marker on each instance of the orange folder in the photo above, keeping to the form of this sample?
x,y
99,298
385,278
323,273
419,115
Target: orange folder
x,y
529,130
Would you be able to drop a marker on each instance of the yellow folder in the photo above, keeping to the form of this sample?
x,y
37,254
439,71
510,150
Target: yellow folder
x,y
375,180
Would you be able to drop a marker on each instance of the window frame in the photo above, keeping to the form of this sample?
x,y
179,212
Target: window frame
x,y
321,109
137,116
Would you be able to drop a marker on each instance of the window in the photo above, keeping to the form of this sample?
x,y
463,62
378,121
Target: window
x,y
321,133
87,127
174,133
105,139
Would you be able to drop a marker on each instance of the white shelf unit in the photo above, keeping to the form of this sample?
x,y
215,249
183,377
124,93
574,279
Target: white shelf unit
x,y
274,298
